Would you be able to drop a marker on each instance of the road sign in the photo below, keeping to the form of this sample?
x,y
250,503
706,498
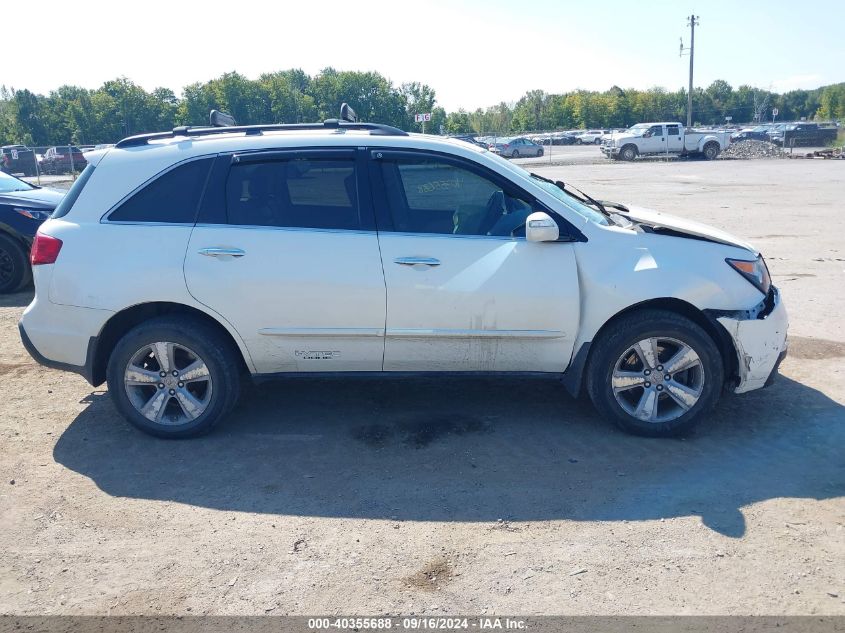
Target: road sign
x,y
774,111
419,118
729,118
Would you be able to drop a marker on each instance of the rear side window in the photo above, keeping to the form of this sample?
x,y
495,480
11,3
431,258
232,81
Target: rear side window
x,y
67,202
298,193
172,197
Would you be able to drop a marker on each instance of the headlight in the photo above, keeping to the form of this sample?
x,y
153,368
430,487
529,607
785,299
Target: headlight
x,y
32,214
754,271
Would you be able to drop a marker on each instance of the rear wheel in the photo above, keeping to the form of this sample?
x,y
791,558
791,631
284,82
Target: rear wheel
x,y
174,377
540,152
655,373
711,150
597,141
515,154
14,267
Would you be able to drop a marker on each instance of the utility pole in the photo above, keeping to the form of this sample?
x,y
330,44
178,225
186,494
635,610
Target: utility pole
x,y
692,22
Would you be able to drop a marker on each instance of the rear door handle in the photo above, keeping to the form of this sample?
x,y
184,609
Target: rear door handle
x,y
222,252
413,261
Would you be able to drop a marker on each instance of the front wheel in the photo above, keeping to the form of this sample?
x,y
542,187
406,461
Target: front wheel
x,y
629,152
14,267
174,377
597,141
655,373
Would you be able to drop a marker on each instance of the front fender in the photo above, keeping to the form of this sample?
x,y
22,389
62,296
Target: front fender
x,y
619,268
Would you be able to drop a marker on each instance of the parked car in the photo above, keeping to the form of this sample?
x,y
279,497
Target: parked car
x,y
518,147
590,137
283,250
469,138
669,138
23,207
758,133
62,160
803,134
557,138
17,159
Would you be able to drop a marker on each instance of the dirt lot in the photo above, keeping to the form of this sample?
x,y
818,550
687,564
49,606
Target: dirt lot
x,y
475,496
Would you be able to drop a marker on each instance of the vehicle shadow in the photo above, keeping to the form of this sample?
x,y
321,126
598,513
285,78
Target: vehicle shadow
x,y
18,299
468,450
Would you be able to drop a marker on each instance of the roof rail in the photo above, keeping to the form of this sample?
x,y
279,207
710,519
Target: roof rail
x,y
375,129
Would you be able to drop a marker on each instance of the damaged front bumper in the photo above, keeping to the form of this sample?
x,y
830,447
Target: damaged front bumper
x,y
759,338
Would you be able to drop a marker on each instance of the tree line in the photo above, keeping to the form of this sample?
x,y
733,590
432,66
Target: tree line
x,y
120,108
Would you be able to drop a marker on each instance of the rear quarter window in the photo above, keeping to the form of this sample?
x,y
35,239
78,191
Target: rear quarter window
x,y
172,197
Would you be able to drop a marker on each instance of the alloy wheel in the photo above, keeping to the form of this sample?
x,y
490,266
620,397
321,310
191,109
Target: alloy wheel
x,y
168,383
658,379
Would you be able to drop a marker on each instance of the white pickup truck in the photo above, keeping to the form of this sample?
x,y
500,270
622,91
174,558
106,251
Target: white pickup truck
x,y
671,139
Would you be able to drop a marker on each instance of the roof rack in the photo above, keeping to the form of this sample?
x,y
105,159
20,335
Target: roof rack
x,y
348,121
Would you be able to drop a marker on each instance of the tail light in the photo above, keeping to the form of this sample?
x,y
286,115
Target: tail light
x,y
45,249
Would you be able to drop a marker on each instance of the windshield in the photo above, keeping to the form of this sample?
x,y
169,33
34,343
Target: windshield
x,y
10,183
638,129
585,211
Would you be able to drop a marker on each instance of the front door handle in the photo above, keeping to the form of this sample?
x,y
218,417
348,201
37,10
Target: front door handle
x,y
222,252
413,261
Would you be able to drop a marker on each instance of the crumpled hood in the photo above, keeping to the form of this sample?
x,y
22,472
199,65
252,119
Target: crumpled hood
x,y
682,225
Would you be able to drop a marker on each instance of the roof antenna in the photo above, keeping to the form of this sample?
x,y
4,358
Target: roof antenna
x,y
221,119
348,114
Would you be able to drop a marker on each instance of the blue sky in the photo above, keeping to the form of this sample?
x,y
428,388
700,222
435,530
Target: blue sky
x,y
473,52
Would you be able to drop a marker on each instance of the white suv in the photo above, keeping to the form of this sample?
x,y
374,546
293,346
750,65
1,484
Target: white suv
x,y
181,261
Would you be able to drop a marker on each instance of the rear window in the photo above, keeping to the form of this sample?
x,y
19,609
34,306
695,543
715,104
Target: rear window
x,y
173,197
67,202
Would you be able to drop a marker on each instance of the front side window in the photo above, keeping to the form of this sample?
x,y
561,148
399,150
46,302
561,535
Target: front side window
x,y
172,197
297,193
432,196
656,130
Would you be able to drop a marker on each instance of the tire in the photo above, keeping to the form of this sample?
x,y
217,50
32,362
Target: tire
x,y
597,141
515,154
578,141
15,271
619,397
711,150
628,152
216,388
539,152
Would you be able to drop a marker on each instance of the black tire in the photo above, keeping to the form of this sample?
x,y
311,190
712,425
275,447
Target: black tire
x,y
515,153
540,152
15,271
209,345
711,150
578,141
628,152
638,326
597,141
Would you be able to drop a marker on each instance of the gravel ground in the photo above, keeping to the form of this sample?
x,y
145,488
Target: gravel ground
x,y
472,496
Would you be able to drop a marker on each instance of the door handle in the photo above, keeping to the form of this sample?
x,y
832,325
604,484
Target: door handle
x,y
222,252
413,261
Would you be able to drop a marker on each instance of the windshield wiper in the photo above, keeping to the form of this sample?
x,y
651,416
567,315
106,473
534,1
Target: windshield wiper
x,y
584,198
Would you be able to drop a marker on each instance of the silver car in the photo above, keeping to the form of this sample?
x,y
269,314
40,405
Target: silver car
x,y
516,147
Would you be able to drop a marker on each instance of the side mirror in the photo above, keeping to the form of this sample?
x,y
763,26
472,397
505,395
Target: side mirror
x,y
540,227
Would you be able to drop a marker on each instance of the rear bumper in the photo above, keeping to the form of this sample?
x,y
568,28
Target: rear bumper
x,y
759,339
62,337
